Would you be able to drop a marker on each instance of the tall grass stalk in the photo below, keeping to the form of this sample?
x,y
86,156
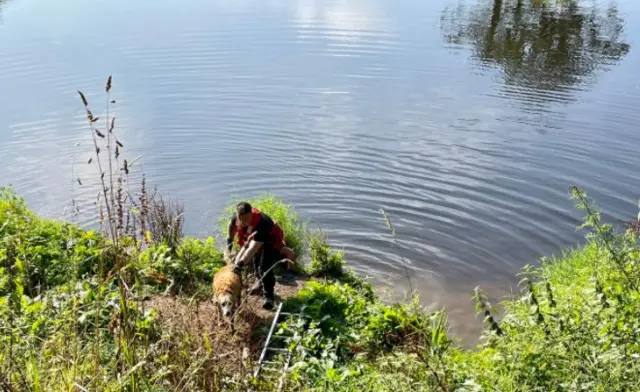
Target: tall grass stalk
x,y
404,262
114,204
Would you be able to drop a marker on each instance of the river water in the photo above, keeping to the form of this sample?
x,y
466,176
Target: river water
x,y
467,121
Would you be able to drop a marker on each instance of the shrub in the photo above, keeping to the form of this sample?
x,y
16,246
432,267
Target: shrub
x,y
345,324
58,332
165,221
574,325
201,256
51,252
324,262
395,372
194,262
334,304
391,326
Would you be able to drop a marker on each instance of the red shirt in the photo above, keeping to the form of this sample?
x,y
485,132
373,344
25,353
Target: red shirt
x,y
268,232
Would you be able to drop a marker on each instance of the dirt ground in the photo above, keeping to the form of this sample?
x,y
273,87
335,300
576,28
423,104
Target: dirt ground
x,y
201,323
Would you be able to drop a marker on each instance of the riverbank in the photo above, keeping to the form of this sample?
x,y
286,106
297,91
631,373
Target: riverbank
x,y
64,319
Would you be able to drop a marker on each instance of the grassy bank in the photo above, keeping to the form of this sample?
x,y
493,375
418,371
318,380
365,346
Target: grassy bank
x,y
86,310
574,327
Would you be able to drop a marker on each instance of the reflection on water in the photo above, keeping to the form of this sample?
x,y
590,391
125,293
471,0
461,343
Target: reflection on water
x,y
546,47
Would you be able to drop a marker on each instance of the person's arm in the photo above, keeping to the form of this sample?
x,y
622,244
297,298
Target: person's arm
x,y
256,240
247,253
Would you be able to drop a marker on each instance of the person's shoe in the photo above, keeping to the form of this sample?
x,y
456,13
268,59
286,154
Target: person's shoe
x,y
267,304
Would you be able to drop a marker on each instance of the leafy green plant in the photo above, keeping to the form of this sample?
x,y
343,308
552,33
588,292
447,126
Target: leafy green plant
x,y
201,256
51,252
573,324
194,262
324,262
388,327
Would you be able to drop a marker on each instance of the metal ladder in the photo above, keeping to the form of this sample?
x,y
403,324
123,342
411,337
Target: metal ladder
x,y
265,364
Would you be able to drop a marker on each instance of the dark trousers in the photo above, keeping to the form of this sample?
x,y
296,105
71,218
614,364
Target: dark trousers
x,y
262,262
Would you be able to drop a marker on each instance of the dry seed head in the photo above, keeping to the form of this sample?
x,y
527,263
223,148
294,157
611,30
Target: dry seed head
x,y
108,84
84,100
118,143
95,119
90,160
120,202
99,133
386,217
113,124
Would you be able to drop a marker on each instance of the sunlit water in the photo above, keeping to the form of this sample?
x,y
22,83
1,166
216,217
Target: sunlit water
x,y
467,121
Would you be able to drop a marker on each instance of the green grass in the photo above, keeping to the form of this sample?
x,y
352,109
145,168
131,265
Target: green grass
x,y
574,326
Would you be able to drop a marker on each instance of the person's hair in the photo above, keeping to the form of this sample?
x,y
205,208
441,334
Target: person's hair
x,y
243,208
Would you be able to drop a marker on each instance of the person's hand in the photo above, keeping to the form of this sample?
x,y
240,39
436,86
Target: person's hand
x,y
238,257
237,268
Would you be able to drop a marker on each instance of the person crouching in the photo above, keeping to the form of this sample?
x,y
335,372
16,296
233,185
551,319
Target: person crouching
x,y
266,246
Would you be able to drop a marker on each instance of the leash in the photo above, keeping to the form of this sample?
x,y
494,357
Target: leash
x,y
259,281
258,275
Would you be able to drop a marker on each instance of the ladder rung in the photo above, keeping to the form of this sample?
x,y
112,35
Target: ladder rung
x,y
296,315
285,314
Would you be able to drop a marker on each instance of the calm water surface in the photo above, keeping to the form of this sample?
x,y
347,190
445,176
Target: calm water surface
x,y
466,120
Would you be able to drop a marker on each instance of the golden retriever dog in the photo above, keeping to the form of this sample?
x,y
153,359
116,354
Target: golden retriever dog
x,y
227,287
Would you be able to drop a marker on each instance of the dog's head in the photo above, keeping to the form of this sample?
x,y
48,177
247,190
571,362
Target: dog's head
x,y
227,305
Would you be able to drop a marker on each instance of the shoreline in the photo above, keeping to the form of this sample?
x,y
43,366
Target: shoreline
x,y
172,299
